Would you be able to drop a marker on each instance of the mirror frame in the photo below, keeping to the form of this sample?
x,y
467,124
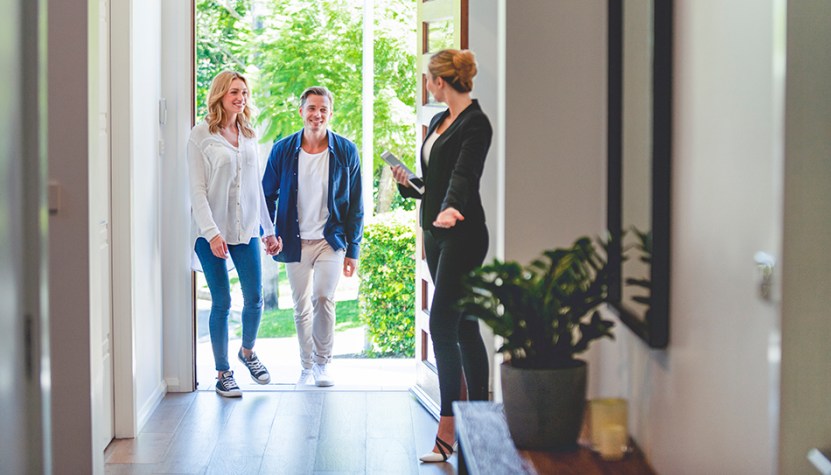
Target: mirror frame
x,y
653,327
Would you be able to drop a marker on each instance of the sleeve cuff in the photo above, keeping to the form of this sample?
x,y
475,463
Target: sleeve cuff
x,y
352,250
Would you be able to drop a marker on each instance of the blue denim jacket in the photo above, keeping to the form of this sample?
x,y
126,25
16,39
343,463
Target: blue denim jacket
x,y
344,228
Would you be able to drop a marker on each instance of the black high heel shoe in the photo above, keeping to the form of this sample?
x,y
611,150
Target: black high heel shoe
x,y
445,451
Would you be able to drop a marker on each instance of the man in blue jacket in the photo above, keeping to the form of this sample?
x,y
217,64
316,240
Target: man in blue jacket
x,y
313,183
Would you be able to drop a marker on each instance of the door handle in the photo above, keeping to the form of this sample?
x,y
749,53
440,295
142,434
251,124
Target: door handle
x,y
766,265
820,460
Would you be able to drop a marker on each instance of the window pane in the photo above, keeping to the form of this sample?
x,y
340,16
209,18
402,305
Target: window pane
x,y
438,35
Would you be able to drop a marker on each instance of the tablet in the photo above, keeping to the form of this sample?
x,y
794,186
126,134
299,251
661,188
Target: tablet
x,y
393,161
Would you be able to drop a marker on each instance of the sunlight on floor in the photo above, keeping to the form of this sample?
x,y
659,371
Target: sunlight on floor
x,y
281,357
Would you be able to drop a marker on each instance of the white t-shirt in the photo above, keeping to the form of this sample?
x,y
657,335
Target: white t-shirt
x,y
428,147
312,193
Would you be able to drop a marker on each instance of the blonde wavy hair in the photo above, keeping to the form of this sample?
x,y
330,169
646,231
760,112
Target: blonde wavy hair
x,y
456,67
217,116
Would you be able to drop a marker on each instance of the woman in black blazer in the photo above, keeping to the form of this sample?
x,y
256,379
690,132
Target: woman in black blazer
x,y
455,236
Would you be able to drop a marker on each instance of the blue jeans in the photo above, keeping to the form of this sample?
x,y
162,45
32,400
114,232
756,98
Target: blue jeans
x,y
247,261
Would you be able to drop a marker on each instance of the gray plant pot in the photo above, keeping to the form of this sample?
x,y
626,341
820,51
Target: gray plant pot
x,y
544,407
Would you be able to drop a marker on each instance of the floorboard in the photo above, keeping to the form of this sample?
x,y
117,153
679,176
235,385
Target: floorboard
x,y
289,432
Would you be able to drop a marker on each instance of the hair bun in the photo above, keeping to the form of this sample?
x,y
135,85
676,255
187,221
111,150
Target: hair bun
x,y
465,63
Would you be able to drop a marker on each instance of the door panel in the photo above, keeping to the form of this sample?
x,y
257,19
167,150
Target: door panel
x,y
442,24
100,257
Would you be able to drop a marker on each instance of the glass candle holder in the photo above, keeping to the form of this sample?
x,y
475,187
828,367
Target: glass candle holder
x,y
606,413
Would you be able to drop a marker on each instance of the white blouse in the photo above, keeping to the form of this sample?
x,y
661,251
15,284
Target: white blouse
x,y
226,193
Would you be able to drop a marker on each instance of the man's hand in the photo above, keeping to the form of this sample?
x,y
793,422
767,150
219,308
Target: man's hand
x,y
448,218
273,245
349,266
219,247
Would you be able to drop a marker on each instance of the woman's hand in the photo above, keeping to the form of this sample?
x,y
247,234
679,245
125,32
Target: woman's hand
x,y
400,176
448,218
273,245
219,247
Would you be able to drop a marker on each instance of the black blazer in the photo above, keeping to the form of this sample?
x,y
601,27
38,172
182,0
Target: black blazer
x,y
451,178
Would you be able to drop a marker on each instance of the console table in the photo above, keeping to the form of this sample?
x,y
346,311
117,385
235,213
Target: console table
x,y
485,447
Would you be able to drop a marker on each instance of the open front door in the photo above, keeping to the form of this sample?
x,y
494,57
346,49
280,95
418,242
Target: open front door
x,y
441,24
100,256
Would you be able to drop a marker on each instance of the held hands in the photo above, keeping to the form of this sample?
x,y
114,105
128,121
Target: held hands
x,y
448,218
400,176
273,245
349,266
219,247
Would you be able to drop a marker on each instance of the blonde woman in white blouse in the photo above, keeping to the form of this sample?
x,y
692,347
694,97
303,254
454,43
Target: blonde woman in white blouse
x,y
229,212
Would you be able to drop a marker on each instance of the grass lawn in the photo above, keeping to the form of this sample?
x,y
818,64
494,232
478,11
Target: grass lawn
x,y
280,323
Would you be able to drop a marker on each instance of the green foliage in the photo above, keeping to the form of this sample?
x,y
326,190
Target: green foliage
x,y
286,46
279,323
387,290
545,311
318,42
398,202
224,41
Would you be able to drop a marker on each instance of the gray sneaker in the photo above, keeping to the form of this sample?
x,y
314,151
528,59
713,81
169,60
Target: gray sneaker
x,y
258,372
226,386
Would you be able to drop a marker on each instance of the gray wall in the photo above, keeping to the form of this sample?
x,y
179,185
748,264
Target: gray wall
x,y
806,326
555,122
69,275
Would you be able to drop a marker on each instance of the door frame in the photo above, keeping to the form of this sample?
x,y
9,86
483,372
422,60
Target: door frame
x,y
426,388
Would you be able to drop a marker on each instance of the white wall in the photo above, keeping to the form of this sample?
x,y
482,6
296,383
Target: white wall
x,y
177,89
147,204
137,278
555,122
542,81
707,404
704,404
483,22
806,328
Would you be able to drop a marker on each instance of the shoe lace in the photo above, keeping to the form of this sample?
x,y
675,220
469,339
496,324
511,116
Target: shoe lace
x,y
227,380
254,364
304,376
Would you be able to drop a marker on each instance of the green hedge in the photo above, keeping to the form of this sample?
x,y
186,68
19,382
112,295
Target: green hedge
x,y
387,289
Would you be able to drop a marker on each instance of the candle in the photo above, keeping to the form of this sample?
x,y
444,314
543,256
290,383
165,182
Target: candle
x,y
612,443
605,412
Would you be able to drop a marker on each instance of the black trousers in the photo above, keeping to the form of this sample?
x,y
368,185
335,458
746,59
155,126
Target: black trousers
x,y
457,343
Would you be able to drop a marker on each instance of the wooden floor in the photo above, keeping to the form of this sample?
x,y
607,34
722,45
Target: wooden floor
x,y
290,432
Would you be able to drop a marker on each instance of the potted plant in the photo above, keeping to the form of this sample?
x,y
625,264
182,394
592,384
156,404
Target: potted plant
x,y
546,313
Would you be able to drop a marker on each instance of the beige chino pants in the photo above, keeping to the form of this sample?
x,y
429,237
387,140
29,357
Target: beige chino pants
x,y
313,282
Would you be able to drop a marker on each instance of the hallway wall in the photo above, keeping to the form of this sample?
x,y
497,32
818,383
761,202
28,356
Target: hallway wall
x,y
806,272
542,81
68,241
708,403
555,124
137,205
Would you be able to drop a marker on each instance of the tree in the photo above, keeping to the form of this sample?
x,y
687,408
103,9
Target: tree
x,y
223,41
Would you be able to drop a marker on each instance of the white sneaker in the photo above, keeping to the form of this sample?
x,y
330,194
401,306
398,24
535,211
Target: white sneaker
x,y
322,378
305,374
